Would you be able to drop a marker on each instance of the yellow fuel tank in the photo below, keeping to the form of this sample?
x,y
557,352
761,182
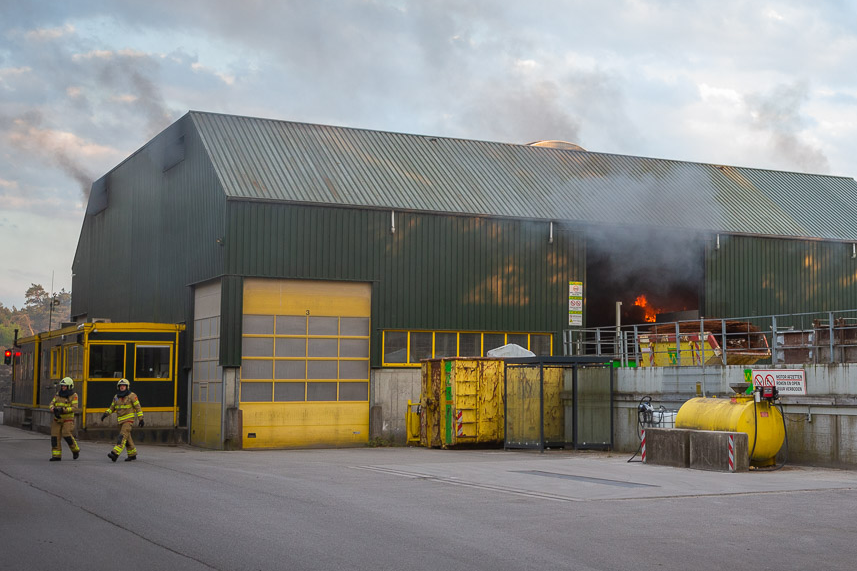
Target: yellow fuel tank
x,y
735,414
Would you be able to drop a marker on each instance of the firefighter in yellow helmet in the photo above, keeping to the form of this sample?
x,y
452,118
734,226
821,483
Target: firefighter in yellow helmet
x,y
63,406
126,405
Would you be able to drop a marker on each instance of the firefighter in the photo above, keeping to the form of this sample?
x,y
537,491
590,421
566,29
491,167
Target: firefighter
x,y
126,405
63,406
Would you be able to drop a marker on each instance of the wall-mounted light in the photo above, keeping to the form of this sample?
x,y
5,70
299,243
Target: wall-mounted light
x,y
392,222
717,244
550,236
853,251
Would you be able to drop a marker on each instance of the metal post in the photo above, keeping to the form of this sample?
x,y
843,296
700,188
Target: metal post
x,y
598,341
774,338
677,346
505,406
574,405
830,314
637,356
723,341
624,348
541,406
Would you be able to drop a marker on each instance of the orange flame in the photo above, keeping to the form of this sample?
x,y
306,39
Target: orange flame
x,y
648,311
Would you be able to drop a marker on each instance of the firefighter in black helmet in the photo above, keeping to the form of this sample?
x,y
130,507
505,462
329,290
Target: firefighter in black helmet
x,y
126,405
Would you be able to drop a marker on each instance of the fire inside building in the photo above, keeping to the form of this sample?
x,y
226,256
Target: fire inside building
x,y
313,267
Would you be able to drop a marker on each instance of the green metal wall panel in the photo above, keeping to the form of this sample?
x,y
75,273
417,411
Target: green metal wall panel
x,y
434,272
751,276
231,312
158,234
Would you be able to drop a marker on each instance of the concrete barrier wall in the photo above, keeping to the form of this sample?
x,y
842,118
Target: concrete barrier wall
x,y
667,447
709,450
697,449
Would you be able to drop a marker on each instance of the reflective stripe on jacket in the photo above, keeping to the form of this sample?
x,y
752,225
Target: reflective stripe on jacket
x,y
66,405
125,408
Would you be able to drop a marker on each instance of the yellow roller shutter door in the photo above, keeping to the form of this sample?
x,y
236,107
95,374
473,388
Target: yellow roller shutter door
x,y
305,363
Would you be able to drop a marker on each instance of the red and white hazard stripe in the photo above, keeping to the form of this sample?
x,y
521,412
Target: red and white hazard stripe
x,y
460,423
643,447
731,453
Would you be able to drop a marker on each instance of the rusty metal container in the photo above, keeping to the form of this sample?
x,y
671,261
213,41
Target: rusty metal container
x,y
461,402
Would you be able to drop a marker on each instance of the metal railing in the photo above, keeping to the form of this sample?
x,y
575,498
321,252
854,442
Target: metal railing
x,y
797,338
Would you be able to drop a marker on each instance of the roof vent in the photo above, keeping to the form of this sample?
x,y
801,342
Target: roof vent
x,y
564,145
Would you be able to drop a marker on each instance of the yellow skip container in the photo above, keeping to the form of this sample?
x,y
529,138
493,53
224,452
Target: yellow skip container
x,y
736,414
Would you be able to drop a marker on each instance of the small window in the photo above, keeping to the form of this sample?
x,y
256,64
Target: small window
x,y
321,391
258,325
444,345
257,346
292,369
152,362
492,341
396,347
519,339
353,369
420,346
257,369
290,347
353,391
469,345
323,326
107,361
56,362
289,392
540,344
256,392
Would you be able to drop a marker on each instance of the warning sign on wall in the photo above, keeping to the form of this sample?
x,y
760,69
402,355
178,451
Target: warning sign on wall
x,y
787,381
575,303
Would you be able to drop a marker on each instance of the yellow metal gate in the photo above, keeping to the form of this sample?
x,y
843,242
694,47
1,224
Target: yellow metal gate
x,y
305,363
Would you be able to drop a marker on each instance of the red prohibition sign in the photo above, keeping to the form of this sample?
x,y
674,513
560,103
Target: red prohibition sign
x,y
767,381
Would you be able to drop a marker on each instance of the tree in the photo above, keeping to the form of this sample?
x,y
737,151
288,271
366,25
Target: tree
x,y
36,296
41,312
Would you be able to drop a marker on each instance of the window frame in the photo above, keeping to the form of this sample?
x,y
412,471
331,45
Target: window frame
x,y
153,345
90,374
407,361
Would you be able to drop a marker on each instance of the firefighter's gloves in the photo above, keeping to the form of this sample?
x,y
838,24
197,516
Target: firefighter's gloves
x,y
103,416
57,413
142,423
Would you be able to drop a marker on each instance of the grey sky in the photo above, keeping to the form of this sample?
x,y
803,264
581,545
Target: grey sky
x,y
83,84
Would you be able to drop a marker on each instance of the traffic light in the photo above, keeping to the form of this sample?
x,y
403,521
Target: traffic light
x,y
7,357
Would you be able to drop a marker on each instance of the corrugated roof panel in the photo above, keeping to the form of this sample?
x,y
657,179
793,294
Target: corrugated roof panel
x,y
298,162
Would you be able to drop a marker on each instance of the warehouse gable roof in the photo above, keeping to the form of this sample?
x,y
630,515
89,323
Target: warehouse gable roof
x,y
318,164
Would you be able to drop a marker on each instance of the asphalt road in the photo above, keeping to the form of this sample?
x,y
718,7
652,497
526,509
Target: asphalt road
x,y
180,508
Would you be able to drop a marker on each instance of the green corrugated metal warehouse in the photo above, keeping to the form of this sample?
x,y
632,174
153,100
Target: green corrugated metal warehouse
x,y
316,265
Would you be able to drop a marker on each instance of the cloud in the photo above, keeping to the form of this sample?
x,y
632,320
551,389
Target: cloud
x,y
49,34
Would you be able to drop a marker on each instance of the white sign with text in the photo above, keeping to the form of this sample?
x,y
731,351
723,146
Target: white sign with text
x,y
787,381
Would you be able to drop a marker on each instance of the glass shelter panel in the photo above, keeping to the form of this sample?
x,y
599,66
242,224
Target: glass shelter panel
x,y
523,407
593,400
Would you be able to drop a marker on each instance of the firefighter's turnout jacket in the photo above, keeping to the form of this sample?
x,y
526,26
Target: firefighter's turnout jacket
x,y
126,408
66,405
